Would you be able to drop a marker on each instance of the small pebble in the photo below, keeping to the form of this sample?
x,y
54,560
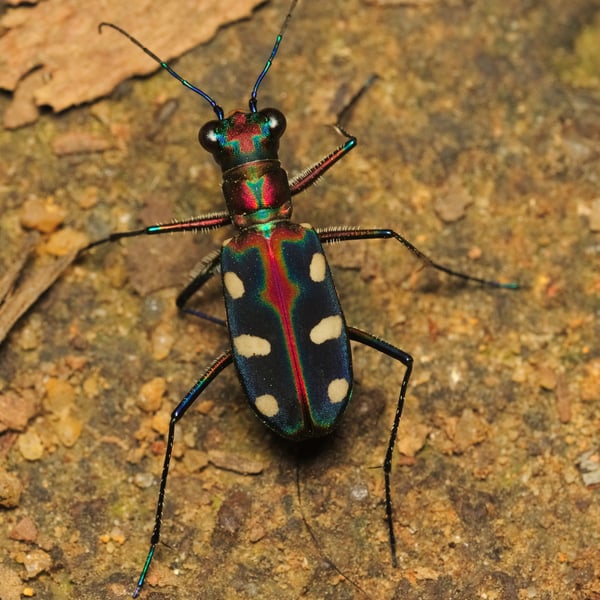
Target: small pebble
x,y
471,429
30,445
79,142
91,386
76,363
589,465
412,438
474,253
17,409
143,480
115,269
547,377
117,535
29,337
359,492
88,197
452,206
256,533
69,429
235,462
205,406
60,396
64,241
24,531
160,422
162,341
36,562
195,460
589,388
10,489
41,214
151,395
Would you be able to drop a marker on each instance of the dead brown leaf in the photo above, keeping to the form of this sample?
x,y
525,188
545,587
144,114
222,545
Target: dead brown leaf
x,y
18,291
405,3
51,53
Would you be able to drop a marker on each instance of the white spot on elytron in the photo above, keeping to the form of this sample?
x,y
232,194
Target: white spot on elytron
x,y
317,267
337,390
251,345
306,225
267,405
329,328
226,242
234,285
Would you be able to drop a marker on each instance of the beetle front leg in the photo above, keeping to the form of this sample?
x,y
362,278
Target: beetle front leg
x,y
309,176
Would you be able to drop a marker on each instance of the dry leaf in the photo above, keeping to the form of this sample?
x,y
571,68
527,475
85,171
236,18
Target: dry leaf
x,y
18,291
51,53
403,3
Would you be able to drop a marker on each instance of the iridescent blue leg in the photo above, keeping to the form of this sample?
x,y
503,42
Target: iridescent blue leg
x,y
344,234
209,267
217,366
406,359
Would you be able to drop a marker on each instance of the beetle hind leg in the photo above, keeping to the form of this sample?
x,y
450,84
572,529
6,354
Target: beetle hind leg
x,y
406,359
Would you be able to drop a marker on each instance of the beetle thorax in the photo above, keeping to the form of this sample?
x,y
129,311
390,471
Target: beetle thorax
x,y
257,193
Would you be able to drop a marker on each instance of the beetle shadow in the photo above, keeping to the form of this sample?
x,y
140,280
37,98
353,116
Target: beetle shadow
x,y
305,453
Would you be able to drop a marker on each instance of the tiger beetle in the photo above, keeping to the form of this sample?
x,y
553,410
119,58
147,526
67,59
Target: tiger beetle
x,y
290,343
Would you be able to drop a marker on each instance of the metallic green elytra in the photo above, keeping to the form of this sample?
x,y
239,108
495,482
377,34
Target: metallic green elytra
x,y
289,340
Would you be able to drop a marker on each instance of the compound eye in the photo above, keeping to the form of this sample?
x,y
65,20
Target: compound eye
x,y
208,137
276,121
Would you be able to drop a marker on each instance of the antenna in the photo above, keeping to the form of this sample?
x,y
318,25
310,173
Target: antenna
x,y
218,110
269,62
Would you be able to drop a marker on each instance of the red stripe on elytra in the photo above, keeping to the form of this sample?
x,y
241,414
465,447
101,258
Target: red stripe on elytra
x,y
282,295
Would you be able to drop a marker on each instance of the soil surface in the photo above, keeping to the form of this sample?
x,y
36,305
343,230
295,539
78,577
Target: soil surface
x,y
480,143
